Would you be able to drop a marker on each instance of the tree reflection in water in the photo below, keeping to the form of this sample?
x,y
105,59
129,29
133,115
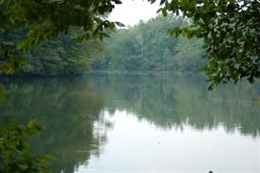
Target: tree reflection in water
x,y
68,111
72,109
175,100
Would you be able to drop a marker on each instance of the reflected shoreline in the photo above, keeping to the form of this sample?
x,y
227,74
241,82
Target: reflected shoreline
x,y
69,108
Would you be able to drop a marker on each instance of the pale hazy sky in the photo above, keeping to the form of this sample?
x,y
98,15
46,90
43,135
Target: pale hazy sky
x,y
132,11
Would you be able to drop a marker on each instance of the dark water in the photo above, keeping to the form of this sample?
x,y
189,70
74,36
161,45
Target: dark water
x,y
139,123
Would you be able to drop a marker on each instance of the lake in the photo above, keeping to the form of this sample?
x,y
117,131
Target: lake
x,y
139,123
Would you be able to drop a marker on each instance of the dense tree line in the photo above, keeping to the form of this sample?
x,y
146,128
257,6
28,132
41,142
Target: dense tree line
x,y
144,47
60,56
230,29
147,47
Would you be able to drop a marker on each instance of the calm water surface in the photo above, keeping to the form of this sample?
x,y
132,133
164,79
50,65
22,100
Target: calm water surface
x,y
139,123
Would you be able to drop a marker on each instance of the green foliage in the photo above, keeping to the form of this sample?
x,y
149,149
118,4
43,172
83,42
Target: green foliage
x,y
15,152
10,60
147,47
231,33
230,29
47,19
60,56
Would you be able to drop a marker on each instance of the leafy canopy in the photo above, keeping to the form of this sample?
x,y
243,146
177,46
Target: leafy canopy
x,y
231,33
45,20
15,152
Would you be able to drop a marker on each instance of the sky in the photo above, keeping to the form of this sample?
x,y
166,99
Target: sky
x,y
132,11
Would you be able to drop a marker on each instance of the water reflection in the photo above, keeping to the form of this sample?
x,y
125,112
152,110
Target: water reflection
x,y
71,110
171,101
68,111
147,148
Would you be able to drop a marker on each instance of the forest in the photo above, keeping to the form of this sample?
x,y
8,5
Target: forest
x,y
44,38
60,56
146,46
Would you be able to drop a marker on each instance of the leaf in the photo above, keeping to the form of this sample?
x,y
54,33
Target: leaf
x,y
120,24
117,2
31,123
79,38
164,12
